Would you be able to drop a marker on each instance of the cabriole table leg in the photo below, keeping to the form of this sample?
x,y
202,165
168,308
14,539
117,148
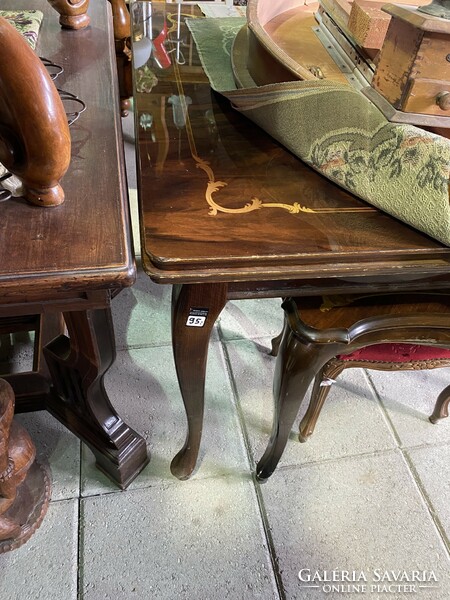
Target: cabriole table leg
x,y
195,309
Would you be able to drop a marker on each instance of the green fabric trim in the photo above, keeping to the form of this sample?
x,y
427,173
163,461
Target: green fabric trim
x,y
400,169
27,22
214,39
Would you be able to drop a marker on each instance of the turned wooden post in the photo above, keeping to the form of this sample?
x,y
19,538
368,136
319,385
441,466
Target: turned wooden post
x,y
73,13
34,134
122,33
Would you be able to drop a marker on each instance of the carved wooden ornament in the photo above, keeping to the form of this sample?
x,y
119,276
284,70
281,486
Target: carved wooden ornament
x,y
34,134
73,13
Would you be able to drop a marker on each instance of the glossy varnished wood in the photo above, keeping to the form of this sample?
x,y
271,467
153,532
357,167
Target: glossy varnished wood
x,y
24,485
66,250
34,134
315,331
73,13
122,33
182,239
73,259
228,213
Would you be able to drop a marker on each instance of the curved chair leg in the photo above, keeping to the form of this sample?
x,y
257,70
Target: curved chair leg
x,y
441,408
319,394
297,365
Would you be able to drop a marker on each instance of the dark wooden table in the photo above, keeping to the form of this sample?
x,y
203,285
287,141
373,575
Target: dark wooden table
x,y
227,213
72,259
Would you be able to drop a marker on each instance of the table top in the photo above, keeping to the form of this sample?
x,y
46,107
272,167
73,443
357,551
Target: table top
x,y
84,243
220,200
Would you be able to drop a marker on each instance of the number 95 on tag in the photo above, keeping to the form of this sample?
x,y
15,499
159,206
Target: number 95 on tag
x,y
197,317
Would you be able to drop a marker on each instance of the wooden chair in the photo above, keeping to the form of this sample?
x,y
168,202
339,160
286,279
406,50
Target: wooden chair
x,y
321,338
381,357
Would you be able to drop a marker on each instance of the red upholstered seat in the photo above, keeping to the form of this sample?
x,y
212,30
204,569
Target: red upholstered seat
x,y
385,332
397,353
385,357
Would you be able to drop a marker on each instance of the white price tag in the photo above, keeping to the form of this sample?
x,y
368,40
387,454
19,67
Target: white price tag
x,y
195,321
197,317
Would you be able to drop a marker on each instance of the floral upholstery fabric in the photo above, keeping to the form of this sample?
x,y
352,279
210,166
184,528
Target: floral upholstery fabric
x,y
27,22
400,169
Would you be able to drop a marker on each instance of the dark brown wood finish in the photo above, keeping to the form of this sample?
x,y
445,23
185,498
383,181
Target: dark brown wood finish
x,y
122,33
74,16
317,330
74,258
24,486
227,213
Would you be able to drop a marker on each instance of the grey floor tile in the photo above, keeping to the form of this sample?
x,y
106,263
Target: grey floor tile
x,y
409,398
57,447
141,315
251,319
142,386
432,465
351,421
16,352
354,514
45,568
185,540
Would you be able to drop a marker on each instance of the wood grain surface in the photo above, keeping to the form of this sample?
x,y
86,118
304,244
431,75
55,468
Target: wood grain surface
x,y
84,244
221,155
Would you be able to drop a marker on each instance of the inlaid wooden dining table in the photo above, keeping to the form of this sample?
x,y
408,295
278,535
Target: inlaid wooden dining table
x,y
228,213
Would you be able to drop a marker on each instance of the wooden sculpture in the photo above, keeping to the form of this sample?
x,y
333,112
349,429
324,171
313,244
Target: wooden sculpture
x,y
34,134
72,13
24,485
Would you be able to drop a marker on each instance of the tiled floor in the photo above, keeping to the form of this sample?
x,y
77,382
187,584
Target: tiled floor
x,y
369,493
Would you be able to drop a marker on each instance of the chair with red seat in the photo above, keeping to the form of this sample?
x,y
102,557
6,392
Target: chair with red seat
x,y
323,336
381,357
